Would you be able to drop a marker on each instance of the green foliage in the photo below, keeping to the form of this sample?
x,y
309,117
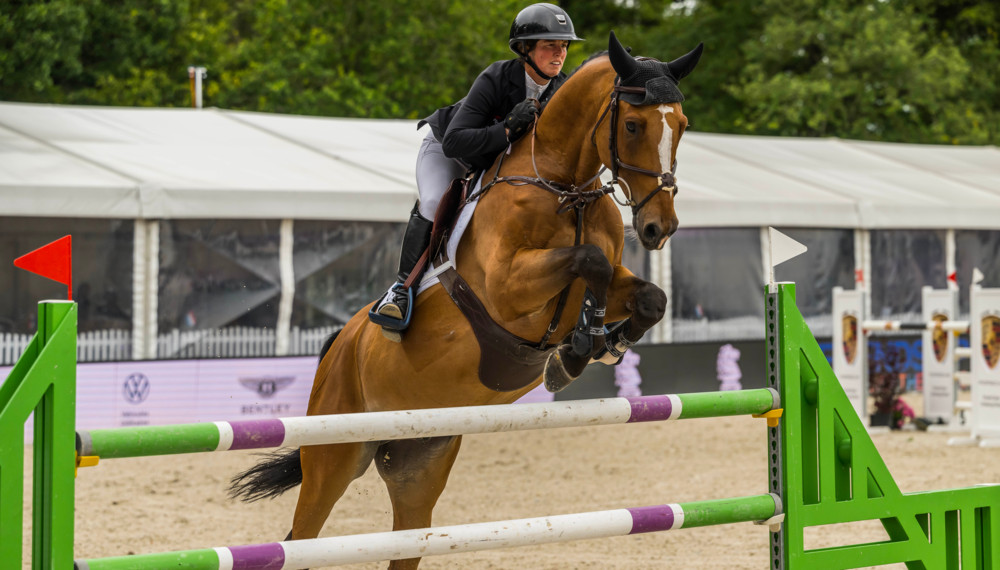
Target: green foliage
x,y
345,58
723,26
920,71
39,40
861,70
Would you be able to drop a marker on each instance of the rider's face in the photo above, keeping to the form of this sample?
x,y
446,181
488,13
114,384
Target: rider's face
x,y
549,56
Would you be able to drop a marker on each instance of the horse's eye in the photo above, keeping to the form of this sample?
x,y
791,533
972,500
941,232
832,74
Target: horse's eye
x,y
630,126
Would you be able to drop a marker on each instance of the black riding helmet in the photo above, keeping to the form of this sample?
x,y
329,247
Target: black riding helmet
x,y
540,21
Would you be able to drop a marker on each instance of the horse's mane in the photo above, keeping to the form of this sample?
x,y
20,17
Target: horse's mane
x,y
590,58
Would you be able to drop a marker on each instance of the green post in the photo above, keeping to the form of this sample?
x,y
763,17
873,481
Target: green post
x,y
832,473
43,381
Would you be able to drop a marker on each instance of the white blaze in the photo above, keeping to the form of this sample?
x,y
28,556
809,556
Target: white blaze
x,y
667,141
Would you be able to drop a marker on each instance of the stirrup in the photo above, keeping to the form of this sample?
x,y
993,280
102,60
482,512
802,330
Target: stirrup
x,y
391,323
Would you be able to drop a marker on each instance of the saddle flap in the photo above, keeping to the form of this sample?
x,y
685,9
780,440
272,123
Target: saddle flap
x,y
447,213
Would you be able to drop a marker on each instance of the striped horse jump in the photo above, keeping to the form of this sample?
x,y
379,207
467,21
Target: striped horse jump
x,y
400,545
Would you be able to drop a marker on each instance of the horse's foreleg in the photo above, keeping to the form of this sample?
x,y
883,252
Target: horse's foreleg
x,y
543,274
638,304
535,274
415,472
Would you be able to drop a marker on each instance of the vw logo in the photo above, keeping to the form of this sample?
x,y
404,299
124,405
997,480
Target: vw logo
x,y
136,388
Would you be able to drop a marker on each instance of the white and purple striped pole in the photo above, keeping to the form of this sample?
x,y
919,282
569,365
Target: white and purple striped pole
x,y
400,545
406,424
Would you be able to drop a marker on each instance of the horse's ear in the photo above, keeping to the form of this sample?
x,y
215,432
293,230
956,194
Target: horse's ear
x,y
683,65
623,63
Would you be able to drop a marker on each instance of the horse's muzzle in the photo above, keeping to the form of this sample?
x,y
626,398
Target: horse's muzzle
x,y
653,234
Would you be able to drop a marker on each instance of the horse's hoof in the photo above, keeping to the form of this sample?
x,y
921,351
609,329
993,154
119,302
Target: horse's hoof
x,y
556,377
605,356
393,335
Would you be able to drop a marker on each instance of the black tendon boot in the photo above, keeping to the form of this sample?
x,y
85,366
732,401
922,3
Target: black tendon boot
x,y
393,311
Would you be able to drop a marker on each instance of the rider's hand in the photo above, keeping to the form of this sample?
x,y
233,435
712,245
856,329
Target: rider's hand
x,y
520,119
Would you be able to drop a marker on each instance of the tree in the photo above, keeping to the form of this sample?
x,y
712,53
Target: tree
x,y
724,27
37,41
858,70
920,71
973,26
344,58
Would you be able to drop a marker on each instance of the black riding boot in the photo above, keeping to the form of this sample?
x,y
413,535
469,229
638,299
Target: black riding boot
x,y
394,308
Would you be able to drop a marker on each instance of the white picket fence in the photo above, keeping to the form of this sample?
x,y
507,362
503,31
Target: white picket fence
x,y
93,346
233,342
237,342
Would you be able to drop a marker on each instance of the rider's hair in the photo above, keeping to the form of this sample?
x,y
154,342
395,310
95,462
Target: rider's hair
x,y
525,46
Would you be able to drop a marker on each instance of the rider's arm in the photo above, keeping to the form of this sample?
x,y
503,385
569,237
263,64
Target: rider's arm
x,y
477,128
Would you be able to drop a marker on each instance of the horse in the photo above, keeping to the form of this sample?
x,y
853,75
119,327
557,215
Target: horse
x,y
544,235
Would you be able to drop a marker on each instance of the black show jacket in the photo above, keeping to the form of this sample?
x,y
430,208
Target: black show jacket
x,y
472,129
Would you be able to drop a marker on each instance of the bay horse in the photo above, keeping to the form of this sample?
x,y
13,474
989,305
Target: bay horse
x,y
544,226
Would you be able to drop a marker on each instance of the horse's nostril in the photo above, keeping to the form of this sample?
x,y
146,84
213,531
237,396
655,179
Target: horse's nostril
x,y
651,233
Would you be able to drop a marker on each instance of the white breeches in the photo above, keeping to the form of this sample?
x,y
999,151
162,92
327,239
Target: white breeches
x,y
435,171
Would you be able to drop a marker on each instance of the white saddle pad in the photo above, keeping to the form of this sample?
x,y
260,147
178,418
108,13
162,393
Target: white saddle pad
x,y
431,275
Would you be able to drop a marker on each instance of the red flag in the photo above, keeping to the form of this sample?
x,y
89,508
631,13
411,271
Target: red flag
x,y
53,261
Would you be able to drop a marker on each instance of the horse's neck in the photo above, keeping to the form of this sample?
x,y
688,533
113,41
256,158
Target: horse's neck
x,y
564,150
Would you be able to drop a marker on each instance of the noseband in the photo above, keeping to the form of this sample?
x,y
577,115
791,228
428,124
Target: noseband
x,y
664,181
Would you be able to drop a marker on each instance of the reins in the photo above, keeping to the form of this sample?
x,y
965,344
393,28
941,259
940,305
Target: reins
x,y
570,195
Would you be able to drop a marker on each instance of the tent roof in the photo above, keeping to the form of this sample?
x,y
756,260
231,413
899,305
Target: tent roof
x,y
211,163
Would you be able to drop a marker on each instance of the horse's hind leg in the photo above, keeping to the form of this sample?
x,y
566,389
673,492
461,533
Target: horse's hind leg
x,y
327,470
415,472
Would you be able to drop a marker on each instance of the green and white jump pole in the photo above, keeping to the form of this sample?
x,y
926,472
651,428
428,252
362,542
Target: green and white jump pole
x,y
408,424
416,543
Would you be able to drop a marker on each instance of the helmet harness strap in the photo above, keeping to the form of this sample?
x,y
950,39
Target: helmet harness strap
x,y
527,59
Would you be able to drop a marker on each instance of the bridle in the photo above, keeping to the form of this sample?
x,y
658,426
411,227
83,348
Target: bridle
x,y
573,196
664,181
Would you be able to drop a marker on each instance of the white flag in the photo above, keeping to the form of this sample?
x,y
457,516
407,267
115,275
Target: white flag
x,y
781,249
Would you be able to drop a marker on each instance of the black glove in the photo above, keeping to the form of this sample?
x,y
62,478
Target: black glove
x,y
520,119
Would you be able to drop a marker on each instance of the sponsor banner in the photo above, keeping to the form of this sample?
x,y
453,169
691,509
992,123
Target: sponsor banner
x,y
985,370
939,305
849,348
241,389
144,392
161,392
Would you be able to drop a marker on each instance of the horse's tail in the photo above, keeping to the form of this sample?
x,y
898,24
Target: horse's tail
x,y
328,343
278,472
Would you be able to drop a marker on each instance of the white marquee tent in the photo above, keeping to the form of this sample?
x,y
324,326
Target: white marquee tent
x,y
155,163
150,164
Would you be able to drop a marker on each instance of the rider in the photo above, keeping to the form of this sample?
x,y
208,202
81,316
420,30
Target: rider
x,y
467,136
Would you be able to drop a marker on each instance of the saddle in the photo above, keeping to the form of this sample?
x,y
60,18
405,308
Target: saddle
x,y
507,361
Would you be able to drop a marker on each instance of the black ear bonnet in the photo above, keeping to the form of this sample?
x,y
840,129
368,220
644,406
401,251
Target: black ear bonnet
x,y
659,79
